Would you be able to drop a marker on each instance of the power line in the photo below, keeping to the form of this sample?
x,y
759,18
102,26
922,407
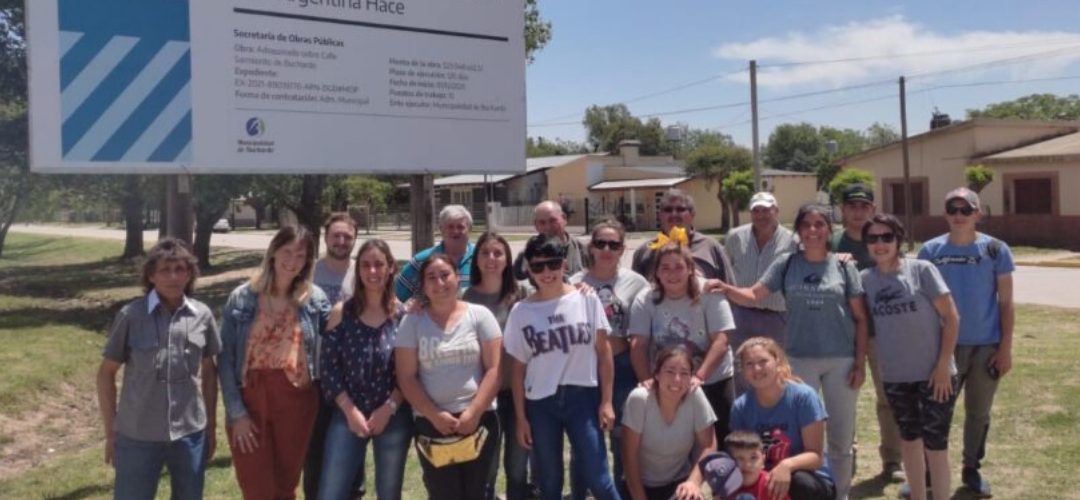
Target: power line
x,y
916,54
877,83
655,94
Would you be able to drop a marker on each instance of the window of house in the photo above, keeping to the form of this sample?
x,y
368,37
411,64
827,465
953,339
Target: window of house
x,y
893,198
1033,196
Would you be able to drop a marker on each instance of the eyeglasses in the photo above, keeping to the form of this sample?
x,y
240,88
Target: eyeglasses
x,y
614,246
679,209
538,266
966,210
883,237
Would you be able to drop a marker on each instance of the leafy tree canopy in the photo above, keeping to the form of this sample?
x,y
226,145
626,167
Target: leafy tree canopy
x,y
1033,107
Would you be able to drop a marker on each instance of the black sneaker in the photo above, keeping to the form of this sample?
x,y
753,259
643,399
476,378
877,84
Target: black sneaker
x,y
975,483
893,473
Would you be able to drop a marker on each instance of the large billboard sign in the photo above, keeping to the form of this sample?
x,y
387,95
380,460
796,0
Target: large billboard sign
x,y
276,86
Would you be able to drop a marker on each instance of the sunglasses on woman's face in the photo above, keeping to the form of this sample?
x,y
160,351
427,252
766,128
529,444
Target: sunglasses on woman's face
x,y
882,237
679,209
966,210
538,266
614,246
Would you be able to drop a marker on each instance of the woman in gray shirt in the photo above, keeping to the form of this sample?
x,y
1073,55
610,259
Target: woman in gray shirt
x,y
447,361
917,325
826,335
668,427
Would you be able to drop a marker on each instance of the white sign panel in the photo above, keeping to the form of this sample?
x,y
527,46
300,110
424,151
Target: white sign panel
x,y
276,86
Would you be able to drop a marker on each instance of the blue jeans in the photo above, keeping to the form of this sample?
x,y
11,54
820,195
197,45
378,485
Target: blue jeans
x,y
515,458
573,410
625,381
344,452
138,467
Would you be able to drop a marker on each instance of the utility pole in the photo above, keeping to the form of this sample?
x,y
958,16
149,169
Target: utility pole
x,y
178,219
908,208
421,209
754,119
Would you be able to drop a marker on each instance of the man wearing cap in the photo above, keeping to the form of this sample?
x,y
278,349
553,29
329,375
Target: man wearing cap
x,y
857,208
677,210
978,270
549,219
752,248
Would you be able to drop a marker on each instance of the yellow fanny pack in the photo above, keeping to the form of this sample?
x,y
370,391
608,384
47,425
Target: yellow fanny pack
x,y
443,451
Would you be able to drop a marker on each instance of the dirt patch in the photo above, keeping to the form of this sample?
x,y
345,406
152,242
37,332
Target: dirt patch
x,y
65,421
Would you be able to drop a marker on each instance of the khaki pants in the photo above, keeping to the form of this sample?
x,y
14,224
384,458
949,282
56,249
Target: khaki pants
x,y
890,432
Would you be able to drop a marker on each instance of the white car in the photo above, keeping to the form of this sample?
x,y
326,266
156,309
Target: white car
x,y
222,226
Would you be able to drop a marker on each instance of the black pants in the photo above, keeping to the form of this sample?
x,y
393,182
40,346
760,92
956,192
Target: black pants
x,y
806,485
664,492
467,481
721,395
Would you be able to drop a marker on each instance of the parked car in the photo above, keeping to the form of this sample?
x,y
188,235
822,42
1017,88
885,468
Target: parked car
x,y
222,226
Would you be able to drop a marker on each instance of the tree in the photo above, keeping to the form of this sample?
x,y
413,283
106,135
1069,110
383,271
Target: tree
x,y
537,31
211,197
535,148
880,134
15,178
609,125
978,177
713,161
845,178
738,188
794,147
16,181
370,192
1033,107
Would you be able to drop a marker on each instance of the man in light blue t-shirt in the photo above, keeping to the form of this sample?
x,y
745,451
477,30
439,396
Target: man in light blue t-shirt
x,y
978,270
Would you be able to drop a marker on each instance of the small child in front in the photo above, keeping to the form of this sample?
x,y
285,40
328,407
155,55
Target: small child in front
x,y
749,453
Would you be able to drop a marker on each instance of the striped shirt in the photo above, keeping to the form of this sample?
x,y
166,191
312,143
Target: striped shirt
x,y
749,262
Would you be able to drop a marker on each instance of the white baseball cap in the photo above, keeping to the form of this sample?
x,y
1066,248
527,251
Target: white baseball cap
x,y
762,199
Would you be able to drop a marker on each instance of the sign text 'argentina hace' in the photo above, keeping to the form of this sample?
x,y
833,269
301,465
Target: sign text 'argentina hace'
x,y
276,86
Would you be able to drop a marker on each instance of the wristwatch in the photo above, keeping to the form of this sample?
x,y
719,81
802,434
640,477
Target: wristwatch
x,y
392,404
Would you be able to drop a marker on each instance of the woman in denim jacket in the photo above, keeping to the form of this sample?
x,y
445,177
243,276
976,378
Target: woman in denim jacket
x,y
268,332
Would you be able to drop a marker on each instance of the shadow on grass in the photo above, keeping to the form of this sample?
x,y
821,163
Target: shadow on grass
x,y
220,463
99,315
95,490
869,488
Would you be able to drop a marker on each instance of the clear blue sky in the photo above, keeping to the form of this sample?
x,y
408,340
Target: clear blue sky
x,y
607,51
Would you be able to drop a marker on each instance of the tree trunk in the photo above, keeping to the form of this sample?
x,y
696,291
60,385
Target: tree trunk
x,y
204,229
11,212
725,217
310,211
133,207
734,215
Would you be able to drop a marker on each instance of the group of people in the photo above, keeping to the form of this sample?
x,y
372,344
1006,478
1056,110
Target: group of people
x,y
756,347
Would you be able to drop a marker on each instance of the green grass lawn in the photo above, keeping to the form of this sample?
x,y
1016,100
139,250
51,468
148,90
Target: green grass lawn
x,y
57,296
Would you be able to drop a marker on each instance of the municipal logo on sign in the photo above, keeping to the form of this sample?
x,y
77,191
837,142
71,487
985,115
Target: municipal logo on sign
x,y
125,80
255,127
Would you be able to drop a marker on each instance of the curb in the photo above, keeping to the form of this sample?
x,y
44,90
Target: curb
x,y
1064,264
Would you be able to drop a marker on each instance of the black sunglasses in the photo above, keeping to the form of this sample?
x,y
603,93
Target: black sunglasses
x,y
538,266
614,246
668,210
883,237
953,210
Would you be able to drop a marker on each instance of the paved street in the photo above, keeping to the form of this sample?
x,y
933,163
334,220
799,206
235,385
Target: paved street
x,y
1033,285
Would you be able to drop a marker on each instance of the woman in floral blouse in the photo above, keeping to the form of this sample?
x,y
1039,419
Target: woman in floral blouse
x,y
358,377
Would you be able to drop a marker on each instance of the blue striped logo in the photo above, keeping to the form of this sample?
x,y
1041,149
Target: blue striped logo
x,y
125,80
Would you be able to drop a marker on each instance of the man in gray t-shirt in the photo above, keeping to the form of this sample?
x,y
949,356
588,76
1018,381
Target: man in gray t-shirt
x,y
907,323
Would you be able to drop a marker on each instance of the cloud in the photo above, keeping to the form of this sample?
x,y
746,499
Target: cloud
x,y
861,45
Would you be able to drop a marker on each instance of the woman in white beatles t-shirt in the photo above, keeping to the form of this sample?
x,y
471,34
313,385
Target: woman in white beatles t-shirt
x,y
562,375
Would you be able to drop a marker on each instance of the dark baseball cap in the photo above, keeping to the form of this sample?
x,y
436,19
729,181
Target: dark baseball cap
x,y
858,192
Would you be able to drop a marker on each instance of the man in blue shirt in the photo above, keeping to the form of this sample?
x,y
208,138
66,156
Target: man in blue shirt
x,y
455,222
978,269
